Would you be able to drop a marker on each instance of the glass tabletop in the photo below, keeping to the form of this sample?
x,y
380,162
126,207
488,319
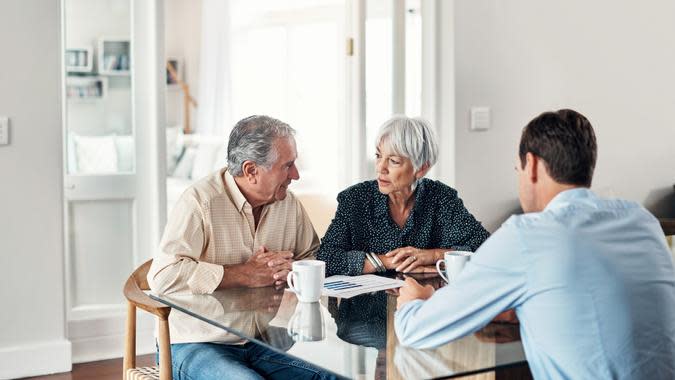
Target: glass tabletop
x,y
351,337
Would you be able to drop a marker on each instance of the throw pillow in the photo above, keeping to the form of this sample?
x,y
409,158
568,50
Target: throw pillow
x,y
96,154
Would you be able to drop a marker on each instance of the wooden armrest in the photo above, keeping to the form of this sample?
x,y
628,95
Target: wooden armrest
x,y
138,298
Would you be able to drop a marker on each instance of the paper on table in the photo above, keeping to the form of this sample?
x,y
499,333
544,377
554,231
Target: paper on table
x,y
350,286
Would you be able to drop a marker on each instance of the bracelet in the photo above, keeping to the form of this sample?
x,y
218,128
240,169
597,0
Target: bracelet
x,y
372,261
380,266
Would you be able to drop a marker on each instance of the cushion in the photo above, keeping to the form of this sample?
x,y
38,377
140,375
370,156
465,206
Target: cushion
x,y
96,154
71,153
174,147
184,166
125,153
220,161
205,157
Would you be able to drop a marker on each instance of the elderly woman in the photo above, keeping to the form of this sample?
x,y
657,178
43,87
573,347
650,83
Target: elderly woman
x,y
402,220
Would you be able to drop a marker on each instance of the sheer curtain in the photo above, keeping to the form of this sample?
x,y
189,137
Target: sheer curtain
x,y
214,112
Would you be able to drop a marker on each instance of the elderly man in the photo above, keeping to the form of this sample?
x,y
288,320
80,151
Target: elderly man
x,y
237,227
591,280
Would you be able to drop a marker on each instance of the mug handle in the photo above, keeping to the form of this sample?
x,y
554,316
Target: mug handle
x,y
438,269
289,281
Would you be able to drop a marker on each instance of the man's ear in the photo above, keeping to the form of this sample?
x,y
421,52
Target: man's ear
x,y
532,164
250,171
422,171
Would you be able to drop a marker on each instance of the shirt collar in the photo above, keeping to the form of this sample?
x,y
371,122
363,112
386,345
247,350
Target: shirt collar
x,y
565,197
382,201
232,188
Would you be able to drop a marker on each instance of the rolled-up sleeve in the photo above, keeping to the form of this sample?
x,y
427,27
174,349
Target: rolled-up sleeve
x,y
177,268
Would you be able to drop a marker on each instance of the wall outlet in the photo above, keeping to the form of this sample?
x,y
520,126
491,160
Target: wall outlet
x,y
480,118
4,130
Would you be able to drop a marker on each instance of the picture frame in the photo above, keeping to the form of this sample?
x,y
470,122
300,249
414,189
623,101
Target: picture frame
x,y
178,66
79,59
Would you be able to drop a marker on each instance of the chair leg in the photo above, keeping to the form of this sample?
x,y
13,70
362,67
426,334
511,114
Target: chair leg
x,y
130,340
164,351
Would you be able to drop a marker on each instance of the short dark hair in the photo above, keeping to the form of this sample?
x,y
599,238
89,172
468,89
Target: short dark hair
x,y
566,142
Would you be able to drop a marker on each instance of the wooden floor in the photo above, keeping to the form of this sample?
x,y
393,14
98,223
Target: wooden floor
x,y
112,370
103,370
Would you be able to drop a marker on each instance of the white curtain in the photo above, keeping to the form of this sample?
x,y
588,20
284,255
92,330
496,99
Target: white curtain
x,y
214,111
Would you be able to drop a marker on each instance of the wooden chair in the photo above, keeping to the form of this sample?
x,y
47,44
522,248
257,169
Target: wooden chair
x,y
133,291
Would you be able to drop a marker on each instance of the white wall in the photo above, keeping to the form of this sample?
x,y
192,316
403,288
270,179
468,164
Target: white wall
x,y
612,61
32,337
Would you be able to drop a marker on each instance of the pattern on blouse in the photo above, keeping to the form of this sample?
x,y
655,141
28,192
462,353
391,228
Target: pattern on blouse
x,y
362,224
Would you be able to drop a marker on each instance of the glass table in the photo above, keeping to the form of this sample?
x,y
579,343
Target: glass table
x,y
351,337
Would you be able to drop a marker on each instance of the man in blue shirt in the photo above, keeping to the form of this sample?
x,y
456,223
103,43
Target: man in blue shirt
x,y
591,280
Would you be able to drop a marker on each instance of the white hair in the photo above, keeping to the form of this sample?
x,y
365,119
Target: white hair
x,y
411,138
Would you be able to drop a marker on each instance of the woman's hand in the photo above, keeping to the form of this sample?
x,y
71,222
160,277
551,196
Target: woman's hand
x,y
406,259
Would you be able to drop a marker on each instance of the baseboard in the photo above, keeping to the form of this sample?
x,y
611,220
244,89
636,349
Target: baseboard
x,y
103,337
40,358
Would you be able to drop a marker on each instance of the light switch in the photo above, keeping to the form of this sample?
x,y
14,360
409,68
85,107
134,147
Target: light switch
x,y
4,130
480,118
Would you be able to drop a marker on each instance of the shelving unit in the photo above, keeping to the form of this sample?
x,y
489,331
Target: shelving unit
x,y
86,87
114,56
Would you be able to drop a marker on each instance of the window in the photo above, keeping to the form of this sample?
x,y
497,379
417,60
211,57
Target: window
x,y
287,62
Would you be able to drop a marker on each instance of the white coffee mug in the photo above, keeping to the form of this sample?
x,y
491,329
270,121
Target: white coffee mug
x,y
306,279
454,263
306,324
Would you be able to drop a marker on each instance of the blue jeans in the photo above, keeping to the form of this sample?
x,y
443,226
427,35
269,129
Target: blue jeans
x,y
197,361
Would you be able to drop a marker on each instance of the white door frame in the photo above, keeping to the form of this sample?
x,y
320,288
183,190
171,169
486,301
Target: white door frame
x,y
96,331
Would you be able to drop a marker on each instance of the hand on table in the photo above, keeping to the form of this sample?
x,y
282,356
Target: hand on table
x,y
412,290
408,259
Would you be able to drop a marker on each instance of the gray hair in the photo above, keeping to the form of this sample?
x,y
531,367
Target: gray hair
x,y
412,138
252,139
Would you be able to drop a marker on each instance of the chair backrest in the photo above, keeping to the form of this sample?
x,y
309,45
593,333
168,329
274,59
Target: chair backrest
x,y
133,291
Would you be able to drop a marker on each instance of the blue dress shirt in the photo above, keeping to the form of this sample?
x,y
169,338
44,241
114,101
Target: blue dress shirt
x,y
592,283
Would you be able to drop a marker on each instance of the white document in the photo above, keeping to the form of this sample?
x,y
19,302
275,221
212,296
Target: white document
x,y
350,286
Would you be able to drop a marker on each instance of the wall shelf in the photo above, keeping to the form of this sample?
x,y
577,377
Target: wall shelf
x,y
114,56
86,87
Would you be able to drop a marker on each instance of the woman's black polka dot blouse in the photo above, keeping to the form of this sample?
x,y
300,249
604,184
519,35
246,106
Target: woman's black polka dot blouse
x,y
362,224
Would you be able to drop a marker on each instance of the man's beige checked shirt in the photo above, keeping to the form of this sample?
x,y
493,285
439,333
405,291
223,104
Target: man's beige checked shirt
x,y
212,225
